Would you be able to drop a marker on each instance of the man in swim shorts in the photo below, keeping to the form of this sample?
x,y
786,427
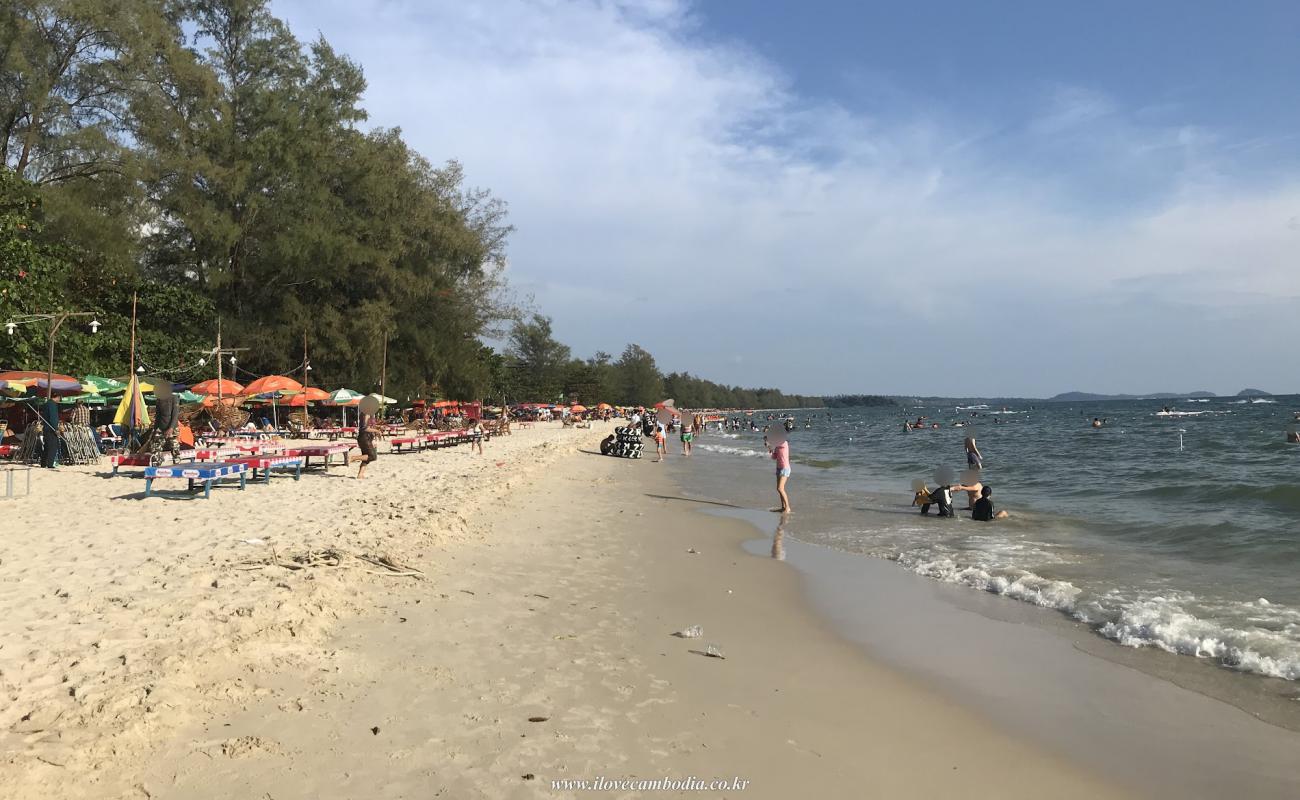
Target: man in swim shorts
x,y
688,435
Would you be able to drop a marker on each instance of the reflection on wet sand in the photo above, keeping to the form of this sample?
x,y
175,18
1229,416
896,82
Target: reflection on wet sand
x,y
778,541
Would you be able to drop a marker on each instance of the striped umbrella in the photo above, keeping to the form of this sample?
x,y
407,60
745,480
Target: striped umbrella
x,y
131,411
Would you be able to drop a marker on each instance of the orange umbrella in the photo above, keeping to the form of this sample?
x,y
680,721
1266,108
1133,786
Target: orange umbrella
x,y
313,394
214,386
604,407
211,400
273,383
577,408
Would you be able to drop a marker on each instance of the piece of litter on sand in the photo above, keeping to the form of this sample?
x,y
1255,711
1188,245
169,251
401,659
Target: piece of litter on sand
x,y
253,541
538,719
693,551
712,651
693,632
375,730
528,776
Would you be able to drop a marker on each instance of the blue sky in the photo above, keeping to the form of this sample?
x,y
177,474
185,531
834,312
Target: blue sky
x,y
935,198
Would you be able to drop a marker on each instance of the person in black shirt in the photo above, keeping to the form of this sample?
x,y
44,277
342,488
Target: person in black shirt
x,y
983,511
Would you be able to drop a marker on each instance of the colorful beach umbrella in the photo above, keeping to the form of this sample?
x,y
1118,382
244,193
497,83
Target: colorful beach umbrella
x,y
96,384
345,397
189,397
63,384
577,408
279,384
131,411
218,387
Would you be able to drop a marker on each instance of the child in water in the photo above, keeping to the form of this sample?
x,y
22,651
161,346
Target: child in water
x,y
983,509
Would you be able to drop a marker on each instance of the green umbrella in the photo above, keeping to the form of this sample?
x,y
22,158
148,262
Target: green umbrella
x,y
343,396
188,397
88,399
99,385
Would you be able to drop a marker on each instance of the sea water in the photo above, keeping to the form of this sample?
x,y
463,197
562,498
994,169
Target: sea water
x,y
1179,532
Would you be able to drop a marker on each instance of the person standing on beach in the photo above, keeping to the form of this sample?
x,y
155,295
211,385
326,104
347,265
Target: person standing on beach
x,y
476,430
688,436
366,441
973,457
661,442
781,455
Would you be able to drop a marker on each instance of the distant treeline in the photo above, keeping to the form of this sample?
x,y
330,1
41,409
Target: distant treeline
x,y
538,367
857,401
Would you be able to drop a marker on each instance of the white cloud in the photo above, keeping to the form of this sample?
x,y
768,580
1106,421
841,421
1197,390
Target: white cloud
x,y
669,188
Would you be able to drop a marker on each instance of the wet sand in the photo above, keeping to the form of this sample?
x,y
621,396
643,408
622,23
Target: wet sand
x,y
543,651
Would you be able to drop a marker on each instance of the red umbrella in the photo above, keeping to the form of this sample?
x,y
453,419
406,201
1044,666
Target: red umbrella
x,y
214,386
273,383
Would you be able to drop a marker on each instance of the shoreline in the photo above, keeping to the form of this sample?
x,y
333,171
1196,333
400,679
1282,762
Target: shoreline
x,y
744,482
562,612
1040,677
552,586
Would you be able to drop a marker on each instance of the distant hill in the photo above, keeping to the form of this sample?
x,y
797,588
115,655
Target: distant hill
x,y
1084,397
1253,393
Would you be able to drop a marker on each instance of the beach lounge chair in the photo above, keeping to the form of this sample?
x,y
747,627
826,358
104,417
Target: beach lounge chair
x,y
408,444
268,463
130,460
206,474
325,452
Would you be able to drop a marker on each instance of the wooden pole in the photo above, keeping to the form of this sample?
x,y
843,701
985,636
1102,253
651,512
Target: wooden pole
x,y
130,422
49,372
133,300
218,352
383,373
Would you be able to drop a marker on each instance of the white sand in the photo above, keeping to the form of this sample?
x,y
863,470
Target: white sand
x,y
123,619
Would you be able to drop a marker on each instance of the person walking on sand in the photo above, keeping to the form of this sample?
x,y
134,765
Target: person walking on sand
x,y
366,441
688,435
973,457
781,455
476,431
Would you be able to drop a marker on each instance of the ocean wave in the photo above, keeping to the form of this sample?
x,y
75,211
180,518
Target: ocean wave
x,y
1262,400
1163,623
1269,646
1278,495
731,451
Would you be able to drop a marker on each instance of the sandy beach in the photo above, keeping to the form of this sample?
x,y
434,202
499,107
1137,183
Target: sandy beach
x,y
151,657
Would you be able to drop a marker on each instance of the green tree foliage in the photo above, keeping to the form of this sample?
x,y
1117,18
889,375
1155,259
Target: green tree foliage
x,y
636,377
196,155
539,360
37,277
